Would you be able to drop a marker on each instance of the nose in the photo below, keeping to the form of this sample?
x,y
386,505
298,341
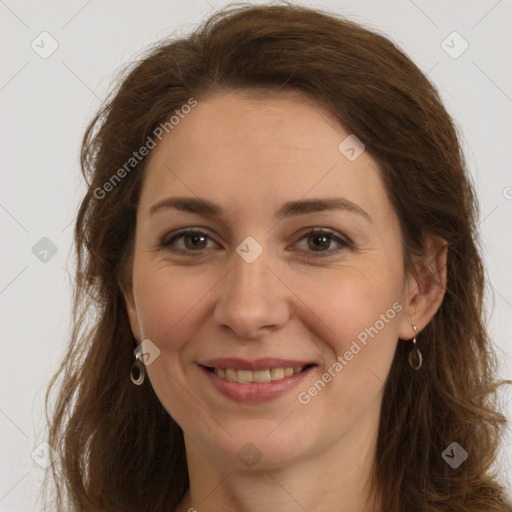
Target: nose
x,y
253,299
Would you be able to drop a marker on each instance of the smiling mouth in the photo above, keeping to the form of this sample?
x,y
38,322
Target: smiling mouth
x,y
257,376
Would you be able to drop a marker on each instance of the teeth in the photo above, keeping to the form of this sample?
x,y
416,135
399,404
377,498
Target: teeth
x,y
260,376
277,373
245,376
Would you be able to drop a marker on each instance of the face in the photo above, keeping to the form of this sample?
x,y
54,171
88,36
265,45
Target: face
x,y
263,288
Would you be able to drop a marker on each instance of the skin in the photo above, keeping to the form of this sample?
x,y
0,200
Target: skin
x,y
249,157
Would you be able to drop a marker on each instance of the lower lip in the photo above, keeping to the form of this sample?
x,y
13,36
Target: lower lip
x,y
255,392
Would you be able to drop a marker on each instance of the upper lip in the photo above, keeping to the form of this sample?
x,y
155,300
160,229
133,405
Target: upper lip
x,y
263,363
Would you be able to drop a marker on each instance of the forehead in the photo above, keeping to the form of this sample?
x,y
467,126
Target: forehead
x,y
243,150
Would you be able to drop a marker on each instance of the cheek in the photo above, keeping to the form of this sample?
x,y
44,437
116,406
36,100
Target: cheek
x,y
357,317
168,301
352,300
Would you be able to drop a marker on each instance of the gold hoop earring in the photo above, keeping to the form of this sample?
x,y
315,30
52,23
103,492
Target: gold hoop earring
x,y
415,357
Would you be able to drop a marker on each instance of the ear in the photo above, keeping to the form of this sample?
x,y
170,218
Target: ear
x,y
131,309
425,293
125,282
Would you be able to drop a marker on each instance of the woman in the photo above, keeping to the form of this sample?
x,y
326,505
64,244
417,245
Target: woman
x,y
278,258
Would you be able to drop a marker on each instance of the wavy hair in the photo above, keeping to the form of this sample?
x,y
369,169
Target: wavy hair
x,y
118,448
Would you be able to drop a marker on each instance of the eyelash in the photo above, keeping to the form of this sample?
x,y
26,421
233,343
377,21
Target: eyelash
x,y
345,242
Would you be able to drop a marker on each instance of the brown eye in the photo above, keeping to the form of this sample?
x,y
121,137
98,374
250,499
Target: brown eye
x,y
194,241
319,241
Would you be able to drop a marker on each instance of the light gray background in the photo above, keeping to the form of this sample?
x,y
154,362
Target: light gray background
x,y
47,103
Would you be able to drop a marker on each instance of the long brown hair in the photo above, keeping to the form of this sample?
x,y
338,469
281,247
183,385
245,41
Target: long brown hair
x,y
118,448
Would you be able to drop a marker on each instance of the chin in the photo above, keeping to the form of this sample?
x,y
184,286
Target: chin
x,y
257,445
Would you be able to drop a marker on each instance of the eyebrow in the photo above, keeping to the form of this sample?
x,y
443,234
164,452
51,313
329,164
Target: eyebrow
x,y
288,209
